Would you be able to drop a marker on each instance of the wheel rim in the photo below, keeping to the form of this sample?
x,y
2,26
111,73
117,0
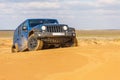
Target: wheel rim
x,y
33,43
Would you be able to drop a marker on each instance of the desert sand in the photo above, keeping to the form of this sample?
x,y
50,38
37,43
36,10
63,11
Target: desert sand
x,y
93,59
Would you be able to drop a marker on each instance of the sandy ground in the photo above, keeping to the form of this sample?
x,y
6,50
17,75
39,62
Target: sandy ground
x,y
93,59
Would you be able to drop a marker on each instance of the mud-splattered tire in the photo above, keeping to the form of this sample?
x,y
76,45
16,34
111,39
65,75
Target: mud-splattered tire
x,y
34,43
75,42
72,43
14,48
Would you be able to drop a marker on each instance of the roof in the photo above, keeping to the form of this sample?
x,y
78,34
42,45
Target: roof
x,y
41,18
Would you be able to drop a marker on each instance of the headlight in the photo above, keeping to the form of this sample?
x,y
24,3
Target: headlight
x,y
65,27
43,27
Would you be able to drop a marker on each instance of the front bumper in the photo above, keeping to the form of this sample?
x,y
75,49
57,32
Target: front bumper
x,y
55,37
55,34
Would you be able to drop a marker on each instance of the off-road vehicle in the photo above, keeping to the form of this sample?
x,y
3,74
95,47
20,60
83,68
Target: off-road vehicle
x,y
37,34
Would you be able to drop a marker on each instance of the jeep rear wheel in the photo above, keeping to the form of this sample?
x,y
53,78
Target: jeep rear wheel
x,y
14,48
34,43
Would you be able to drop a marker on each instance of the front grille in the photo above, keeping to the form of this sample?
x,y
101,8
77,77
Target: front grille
x,y
52,28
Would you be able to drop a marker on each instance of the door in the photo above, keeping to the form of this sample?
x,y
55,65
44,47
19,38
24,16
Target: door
x,y
18,41
23,36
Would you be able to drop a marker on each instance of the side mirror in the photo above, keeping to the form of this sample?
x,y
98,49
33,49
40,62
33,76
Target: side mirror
x,y
24,28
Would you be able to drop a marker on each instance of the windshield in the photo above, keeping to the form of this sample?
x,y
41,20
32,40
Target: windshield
x,y
42,21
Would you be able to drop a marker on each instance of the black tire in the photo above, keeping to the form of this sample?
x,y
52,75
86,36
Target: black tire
x,y
75,42
14,48
34,43
72,43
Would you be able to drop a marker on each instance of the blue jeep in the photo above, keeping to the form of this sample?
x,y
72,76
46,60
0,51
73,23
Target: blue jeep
x,y
37,34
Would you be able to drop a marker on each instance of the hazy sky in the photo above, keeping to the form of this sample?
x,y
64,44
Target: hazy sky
x,y
81,14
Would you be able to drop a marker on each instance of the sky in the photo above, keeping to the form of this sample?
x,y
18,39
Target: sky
x,y
80,14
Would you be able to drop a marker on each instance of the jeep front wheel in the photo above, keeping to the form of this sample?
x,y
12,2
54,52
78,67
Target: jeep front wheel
x,y
75,42
34,43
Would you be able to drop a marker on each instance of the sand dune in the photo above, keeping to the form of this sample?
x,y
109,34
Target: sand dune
x,y
93,59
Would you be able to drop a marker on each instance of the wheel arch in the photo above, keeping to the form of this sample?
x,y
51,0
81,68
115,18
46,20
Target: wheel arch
x,y
30,33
